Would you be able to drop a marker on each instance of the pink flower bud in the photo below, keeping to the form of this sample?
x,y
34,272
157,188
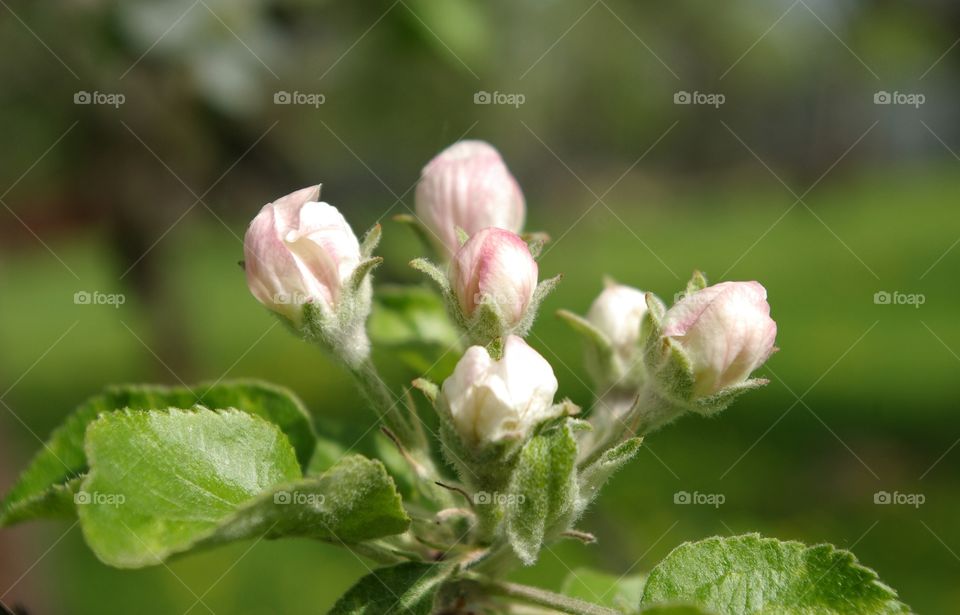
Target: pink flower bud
x,y
725,330
467,186
494,265
298,250
617,312
490,399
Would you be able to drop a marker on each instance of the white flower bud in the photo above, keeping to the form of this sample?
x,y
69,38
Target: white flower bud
x,y
726,332
617,313
495,265
490,400
297,251
467,186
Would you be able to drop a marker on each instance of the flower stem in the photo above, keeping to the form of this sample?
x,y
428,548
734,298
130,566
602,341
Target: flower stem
x,y
387,407
542,597
405,431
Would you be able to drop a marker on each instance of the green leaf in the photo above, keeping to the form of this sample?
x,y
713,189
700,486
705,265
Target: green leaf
x,y
593,477
37,492
754,575
543,491
413,323
164,482
325,455
408,589
673,609
615,591
55,502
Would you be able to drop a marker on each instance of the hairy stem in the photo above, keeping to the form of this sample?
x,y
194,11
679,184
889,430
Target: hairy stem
x,y
542,597
625,416
387,407
405,431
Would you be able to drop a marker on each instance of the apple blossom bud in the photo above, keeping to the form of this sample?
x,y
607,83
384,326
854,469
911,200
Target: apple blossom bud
x,y
617,313
494,266
726,332
467,186
489,400
298,251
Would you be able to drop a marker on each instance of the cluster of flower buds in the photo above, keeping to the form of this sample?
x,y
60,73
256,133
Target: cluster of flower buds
x,y
472,209
697,355
500,425
304,262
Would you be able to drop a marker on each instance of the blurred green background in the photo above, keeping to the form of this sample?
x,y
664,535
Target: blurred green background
x,y
800,179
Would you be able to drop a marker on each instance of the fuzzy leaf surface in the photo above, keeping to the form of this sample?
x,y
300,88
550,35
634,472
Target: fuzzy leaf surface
x,y
165,482
752,575
41,489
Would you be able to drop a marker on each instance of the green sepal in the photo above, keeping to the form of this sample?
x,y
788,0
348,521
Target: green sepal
x,y
435,273
591,335
596,474
726,396
651,330
429,389
697,282
462,236
544,288
370,241
535,242
674,376
359,275
542,495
